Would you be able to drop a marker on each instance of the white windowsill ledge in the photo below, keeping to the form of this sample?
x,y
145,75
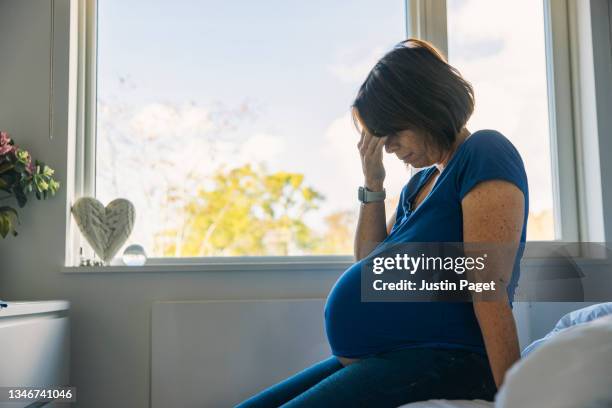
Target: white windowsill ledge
x,y
289,263
225,264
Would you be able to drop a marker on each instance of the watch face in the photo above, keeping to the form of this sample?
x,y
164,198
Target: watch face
x,y
361,194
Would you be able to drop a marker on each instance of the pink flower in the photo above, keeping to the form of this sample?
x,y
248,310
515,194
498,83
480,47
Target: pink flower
x,y
7,148
4,138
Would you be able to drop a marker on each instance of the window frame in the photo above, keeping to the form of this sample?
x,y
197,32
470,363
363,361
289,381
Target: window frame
x,y
425,19
82,117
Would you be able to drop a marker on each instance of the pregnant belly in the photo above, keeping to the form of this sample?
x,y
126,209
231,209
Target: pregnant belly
x,y
357,329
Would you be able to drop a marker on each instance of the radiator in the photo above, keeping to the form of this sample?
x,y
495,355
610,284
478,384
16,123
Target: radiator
x,y
217,353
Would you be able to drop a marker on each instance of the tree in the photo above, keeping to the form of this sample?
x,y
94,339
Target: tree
x,y
247,211
339,234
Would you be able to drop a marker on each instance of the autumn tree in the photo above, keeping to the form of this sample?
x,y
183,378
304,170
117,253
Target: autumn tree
x,y
339,233
244,211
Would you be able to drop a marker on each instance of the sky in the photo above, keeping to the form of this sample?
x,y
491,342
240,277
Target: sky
x,y
205,83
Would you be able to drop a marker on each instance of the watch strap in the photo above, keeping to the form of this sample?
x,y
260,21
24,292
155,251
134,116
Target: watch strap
x,y
366,196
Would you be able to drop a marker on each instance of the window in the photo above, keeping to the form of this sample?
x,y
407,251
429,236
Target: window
x,y
227,123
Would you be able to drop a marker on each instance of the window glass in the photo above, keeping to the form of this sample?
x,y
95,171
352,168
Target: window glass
x,y
499,47
227,123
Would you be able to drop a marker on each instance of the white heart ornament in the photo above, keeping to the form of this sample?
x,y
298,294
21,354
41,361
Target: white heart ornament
x,y
105,228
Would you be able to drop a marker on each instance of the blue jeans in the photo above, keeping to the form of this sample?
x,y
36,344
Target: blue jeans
x,y
384,380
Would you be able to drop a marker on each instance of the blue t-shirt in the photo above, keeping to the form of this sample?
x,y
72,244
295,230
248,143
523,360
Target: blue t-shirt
x,y
359,329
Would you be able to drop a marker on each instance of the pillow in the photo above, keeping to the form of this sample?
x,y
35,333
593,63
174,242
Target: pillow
x,y
579,316
572,369
584,315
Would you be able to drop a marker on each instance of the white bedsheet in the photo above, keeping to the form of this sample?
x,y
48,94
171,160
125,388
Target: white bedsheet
x,y
450,404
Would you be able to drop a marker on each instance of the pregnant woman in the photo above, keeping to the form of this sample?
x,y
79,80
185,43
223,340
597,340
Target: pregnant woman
x,y
472,188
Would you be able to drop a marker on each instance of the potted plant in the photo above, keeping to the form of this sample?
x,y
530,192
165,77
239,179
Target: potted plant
x,y
19,177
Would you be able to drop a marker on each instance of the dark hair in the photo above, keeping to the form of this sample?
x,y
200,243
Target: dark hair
x,y
413,87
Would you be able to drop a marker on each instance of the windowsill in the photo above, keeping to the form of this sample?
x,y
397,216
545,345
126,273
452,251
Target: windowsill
x,y
289,263
225,264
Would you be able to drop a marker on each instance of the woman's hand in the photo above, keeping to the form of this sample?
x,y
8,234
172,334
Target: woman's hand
x,y
370,150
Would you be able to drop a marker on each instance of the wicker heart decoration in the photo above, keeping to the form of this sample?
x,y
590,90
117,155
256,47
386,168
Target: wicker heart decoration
x,y
105,228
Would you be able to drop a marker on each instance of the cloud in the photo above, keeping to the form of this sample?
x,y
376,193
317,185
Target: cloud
x,y
262,147
353,65
163,121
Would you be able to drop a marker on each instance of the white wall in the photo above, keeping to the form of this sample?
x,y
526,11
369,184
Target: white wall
x,y
110,326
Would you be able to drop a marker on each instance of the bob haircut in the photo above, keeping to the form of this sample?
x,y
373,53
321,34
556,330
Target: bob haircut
x,y
412,87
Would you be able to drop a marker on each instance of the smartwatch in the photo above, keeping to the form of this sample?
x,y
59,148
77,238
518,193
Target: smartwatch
x,y
366,196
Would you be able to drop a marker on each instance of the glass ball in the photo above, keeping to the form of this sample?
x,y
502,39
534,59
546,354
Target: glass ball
x,y
134,255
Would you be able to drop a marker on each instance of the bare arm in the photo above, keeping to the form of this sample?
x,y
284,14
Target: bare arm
x,y
493,213
371,228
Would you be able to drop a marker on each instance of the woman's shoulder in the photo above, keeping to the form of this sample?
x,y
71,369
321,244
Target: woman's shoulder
x,y
488,154
488,144
487,139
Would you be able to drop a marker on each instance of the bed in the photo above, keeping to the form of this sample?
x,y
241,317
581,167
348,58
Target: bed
x,y
570,367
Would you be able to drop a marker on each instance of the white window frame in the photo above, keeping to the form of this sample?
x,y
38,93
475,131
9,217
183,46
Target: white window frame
x,y
425,19
82,119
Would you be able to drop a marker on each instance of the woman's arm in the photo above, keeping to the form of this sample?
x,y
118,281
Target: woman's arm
x,y
369,232
371,227
493,214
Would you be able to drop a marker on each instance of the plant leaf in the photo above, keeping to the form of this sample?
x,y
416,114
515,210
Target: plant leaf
x,y
5,225
8,218
5,167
